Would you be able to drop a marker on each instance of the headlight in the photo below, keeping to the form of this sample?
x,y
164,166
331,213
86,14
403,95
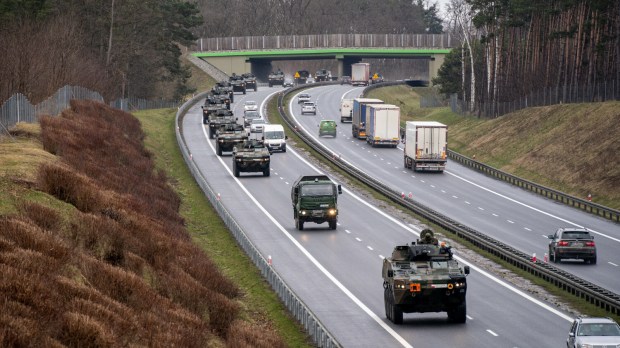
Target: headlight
x,y
331,212
302,212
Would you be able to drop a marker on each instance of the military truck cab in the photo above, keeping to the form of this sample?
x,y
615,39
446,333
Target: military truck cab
x,y
424,277
315,199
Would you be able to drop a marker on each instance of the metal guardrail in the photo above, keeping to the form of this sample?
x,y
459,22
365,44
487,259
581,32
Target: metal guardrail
x,y
575,202
298,309
583,289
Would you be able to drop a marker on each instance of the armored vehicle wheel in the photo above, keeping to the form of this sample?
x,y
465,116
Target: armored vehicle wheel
x,y
458,314
386,303
266,171
255,88
397,312
332,224
218,149
299,224
235,169
244,91
210,133
270,84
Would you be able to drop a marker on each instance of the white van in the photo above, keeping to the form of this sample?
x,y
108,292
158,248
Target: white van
x,y
274,137
346,110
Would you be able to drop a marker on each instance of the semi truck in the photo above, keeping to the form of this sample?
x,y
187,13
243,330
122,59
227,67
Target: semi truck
x,y
383,125
358,126
426,145
360,74
346,110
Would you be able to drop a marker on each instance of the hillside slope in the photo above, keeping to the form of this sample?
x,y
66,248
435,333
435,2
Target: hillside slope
x,y
93,250
573,148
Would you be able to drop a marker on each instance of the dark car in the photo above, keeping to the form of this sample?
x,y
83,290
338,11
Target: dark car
x,y
345,80
593,332
572,243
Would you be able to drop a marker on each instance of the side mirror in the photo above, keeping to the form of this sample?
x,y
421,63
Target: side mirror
x,y
236,118
550,236
296,190
390,273
339,189
571,334
466,269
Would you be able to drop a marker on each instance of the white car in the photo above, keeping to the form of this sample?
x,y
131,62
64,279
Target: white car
x,y
250,105
257,125
304,97
308,108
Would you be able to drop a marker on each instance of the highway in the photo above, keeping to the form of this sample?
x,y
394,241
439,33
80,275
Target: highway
x,y
511,215
337,273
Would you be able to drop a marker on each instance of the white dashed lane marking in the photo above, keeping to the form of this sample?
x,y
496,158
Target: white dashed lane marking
x,y
492,333
357,238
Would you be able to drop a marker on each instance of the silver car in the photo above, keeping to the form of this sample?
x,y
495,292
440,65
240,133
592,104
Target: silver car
x,y
593,332
308,108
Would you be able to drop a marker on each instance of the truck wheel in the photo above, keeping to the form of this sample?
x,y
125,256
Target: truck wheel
x,y
235,169
332,224
218,149
299,224
458,314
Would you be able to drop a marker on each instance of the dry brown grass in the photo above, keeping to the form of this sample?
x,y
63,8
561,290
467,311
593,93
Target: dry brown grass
x,y
119,269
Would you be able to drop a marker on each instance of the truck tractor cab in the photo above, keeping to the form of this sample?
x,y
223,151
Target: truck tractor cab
x,y
315,199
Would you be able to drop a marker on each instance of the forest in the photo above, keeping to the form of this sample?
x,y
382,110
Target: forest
x,y
508,48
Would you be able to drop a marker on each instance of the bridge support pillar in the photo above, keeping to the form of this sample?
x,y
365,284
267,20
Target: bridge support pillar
x,y
340,70
434,63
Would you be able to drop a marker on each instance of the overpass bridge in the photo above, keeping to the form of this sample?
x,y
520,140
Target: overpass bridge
x,y
255,54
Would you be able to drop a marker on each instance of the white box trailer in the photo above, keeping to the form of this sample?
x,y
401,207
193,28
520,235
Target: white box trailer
x,y
383,126
346,110
426,145
360,74
358,127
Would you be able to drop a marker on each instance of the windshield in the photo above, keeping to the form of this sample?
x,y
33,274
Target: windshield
x,y
252,115
250,103
258,121
599,329
274,135
317,190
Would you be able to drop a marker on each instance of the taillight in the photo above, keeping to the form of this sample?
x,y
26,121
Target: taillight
x,y
562,243
589,244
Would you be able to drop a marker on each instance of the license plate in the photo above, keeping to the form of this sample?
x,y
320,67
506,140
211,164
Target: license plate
x,y
317,212
577,244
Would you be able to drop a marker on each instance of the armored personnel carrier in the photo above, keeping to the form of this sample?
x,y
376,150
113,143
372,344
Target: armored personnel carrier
x,y
315,199
228,136
251,156
225,90
424,277
238,83
276,78
250,81
323,75
212,104
219,118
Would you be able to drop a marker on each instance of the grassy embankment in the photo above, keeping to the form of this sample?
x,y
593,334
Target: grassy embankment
x,y
573,148
94,252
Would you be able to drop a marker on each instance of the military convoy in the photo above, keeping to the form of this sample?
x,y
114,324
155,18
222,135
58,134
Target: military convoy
x,y
424,277
251,156
315,199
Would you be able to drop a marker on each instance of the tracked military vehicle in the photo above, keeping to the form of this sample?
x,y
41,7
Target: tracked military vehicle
x,y
228,136
218,119
424,277
276,78
251,156
250,81
315,199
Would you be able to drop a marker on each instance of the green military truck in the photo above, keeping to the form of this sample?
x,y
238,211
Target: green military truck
x,y
424,277
219,118
251,156
228,136
315,199
250,81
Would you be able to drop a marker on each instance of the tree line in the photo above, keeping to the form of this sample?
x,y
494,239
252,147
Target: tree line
x,y
513,48
132,47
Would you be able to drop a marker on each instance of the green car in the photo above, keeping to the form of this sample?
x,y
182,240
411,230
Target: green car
x,y
327,127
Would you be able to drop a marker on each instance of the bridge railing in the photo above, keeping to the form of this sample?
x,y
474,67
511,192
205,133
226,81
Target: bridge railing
x,y
325,41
